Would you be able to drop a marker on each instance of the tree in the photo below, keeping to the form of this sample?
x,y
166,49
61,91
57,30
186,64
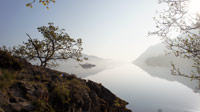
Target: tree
x,y
178,18
44,2
56,45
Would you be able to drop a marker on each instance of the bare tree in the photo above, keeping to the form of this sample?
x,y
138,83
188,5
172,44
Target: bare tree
x,y
56,45
177,18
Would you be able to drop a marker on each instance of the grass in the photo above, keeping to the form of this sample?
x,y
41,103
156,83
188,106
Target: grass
x,y
62,92
43,106
116,103
6,78
78,84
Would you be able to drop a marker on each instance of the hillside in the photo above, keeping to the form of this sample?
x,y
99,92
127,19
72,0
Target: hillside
x,y
28,88
157,64
155,56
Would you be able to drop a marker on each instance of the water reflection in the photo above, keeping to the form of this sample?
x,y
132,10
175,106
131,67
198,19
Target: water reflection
x,y
164,73
146,93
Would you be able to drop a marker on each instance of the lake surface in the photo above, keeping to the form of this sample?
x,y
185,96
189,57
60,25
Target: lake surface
x,y
146,93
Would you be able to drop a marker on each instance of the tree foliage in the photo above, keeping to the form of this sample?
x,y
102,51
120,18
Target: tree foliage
x,y
44,2
178,18
56,45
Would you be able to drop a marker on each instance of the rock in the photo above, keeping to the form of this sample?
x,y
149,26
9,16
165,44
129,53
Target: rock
x,y
3,99
102,92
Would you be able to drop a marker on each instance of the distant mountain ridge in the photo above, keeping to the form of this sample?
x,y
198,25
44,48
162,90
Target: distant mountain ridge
x,y
157,64
156,56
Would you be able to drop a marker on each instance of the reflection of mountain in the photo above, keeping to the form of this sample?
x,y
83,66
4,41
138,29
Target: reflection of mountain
x,y
80,69
157,64
164,73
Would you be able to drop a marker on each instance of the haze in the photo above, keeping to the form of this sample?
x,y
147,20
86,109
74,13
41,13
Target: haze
x,y
114,29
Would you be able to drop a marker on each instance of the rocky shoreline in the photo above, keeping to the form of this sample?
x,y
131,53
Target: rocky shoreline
x,y
28,88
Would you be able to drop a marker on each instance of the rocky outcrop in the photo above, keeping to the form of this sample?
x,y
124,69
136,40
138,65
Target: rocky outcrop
x,y
28,88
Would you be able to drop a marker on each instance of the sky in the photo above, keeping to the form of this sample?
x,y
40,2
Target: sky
x,y
113,29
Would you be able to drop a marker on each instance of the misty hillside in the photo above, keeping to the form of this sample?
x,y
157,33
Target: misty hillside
x,y
155,56
157,64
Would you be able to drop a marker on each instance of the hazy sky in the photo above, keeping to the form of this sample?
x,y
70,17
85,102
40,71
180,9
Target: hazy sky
x,y
115,29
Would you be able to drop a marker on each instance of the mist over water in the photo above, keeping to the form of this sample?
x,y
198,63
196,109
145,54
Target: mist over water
x,y
146,93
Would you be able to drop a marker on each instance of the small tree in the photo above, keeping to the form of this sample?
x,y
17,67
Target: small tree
x,y
56,45
177,18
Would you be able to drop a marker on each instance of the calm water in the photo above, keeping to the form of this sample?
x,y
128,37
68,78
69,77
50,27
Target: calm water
x,y
146,93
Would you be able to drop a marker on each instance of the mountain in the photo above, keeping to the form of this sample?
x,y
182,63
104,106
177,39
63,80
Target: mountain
x,y
157,64
28,88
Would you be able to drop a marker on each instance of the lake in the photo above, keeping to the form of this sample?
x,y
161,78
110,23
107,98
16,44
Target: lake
x,y
147,93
